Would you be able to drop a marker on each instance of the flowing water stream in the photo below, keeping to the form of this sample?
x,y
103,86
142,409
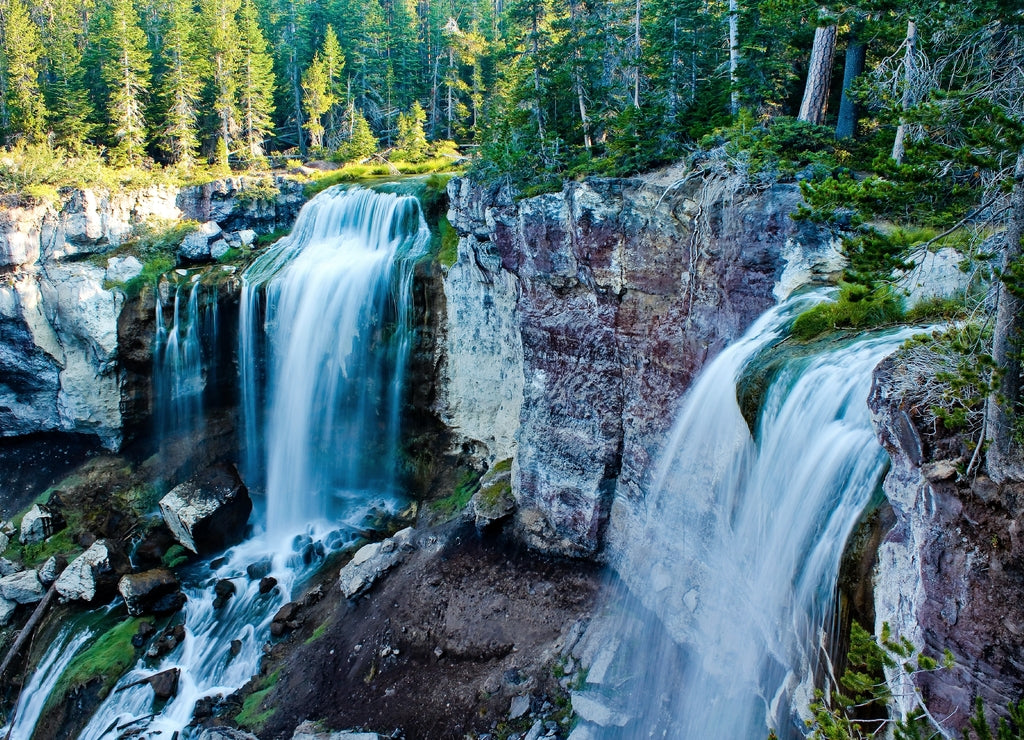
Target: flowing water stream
x,y
325,331
741,549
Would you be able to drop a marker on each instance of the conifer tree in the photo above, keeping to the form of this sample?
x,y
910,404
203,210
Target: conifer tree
x,y
316,100
67,99
255,85
222,51
22,52
181,84
126,72
411,143
361,142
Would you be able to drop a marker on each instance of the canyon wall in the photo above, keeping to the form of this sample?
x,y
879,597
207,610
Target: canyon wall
x,y
576,321
62,367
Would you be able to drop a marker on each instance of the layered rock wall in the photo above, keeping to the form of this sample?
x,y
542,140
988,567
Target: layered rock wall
x,y
60,367
578,319
950,572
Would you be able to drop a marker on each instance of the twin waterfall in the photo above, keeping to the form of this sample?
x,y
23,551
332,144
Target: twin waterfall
x,y
736,565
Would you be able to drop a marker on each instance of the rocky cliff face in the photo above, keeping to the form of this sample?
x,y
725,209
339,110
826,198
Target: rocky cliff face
x,y
950,571
578,319
60,368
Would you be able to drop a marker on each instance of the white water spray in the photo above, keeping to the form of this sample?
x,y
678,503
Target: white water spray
x,y
741,550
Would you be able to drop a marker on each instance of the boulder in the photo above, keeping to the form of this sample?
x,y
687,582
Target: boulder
x,y
208,512
92,573
246,237
594,707
146,592
165,683
7,608
224,733
219,248
494,501
196,246
123,269
223,590
374,560
9,567
39,523
311,731
22,588
50,570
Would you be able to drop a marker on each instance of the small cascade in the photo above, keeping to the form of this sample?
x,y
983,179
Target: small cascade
x,y
178,362
324,336
35,692
740,553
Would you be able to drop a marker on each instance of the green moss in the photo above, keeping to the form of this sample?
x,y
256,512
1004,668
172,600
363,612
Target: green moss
x,y
449,506
448,254
176,555
856,308
106,659
502,466
254,714
61,543
265,240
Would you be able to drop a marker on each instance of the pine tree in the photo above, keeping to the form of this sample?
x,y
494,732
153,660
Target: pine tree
x,y
22,53
361,142
126,73
181,84
222,43
411,143
316,100
67,99
255,85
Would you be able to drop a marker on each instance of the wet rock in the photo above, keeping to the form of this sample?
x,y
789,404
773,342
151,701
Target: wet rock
x,y
91,574
494,501
209,511
223,591
145,593
939,471
9,567
259,569
50,571
219,248
145,631
235,647
287,619
246,237
267,584
39,523
169,639
7,608
123,269
596,708
22,588
374,560
196,246
535,731
165,683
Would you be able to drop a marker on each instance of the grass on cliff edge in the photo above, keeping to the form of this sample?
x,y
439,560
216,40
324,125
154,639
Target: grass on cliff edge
x,y
254,715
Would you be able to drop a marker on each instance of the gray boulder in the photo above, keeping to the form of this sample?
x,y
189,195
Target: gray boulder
x,y
224,733
22,588
310,731
50,570
196,246
374,560
9,567
209,511
39,523
7,608
89,574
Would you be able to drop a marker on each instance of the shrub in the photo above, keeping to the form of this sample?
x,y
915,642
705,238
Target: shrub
x,y
856,308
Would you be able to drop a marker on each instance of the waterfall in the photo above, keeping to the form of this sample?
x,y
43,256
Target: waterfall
x,y
178,381
324,336
325,330
740,552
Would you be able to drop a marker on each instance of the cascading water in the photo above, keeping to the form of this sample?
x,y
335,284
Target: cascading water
x,y
325,318
325,332
178,362
740,554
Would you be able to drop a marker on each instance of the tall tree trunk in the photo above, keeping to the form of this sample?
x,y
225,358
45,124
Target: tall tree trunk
x,y
637,56
734,56
856,52
909,65
1003,458
819,73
